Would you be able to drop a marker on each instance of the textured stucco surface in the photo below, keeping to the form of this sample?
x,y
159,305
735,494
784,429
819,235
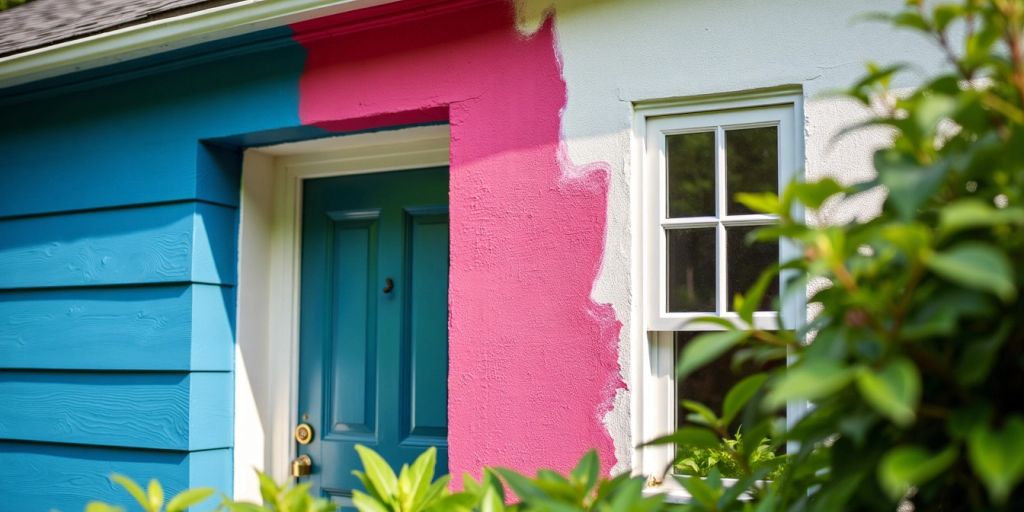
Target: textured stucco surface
x,y
533,362
615,53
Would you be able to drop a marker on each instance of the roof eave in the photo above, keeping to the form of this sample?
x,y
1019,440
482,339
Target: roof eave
x,y
165,35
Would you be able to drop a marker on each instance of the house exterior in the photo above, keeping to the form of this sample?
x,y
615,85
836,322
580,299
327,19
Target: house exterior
x,y
471,224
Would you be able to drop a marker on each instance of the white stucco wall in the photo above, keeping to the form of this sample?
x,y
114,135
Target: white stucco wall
x,y
617,52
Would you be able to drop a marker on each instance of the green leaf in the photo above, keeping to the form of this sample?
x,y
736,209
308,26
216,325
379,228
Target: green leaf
x,y
974,213
524,488
740,394
814,194
979,355
379,473
461,502
367,503
492,502
268,488
707,416
188,498
437,491
978,266
705,348
689,436
929,109
905,467
700,491
997,457
748,303
133,488
404,496
97,506
421,473
910,184
763,202
893,391
810,380
156,495
945,14
234,506
587,471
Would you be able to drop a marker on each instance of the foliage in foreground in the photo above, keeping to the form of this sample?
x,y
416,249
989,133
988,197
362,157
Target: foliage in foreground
x,y
917,359
414,489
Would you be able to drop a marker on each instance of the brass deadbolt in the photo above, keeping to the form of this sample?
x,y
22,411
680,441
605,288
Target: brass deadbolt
x,y
302,466
304,433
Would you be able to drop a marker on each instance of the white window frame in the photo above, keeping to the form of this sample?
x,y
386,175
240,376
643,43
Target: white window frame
x,y
654,400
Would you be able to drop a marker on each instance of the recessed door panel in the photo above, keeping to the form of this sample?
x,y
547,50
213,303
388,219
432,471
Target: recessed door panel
x,y
353,362
426,349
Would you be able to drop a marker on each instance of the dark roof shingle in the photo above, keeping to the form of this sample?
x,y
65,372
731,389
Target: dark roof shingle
x,y
45,22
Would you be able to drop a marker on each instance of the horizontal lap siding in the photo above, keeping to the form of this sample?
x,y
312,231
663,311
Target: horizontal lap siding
x,y
179,326
116,351
137,410
118,230
178,242
43,477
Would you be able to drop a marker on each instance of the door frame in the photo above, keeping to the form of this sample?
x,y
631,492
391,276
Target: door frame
x,y
267,333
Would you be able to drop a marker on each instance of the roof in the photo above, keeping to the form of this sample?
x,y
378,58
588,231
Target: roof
x,y
42,23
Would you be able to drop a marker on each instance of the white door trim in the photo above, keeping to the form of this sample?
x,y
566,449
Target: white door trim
x,y
266,352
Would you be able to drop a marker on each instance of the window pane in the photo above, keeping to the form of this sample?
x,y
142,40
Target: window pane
x,y
746,262
708,386
691,270
691,174
752,163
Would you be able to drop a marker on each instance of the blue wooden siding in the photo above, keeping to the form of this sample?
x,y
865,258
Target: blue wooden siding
x,y
119,197
177,242
173,327
168,411
64,477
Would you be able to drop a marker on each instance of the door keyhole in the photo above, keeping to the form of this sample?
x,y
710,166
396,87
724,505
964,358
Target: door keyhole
x,y
389,285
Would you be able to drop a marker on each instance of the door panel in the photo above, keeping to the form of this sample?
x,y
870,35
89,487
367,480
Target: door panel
x,y
373,363
425,351
351,404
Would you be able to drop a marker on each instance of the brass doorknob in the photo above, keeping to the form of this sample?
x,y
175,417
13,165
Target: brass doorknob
x,y
302,466
304,433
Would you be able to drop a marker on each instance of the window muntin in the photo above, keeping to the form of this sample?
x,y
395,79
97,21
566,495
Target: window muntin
x,y
698,258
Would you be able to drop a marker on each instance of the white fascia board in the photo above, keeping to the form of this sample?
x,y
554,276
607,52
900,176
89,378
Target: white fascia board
x,y
166,34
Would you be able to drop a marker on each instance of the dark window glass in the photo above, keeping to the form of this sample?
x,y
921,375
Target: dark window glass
x,y
710,384
691,269
691,174
752,164
746,262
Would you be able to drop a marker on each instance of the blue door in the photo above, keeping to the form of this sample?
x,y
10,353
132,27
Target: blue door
x,y
374,321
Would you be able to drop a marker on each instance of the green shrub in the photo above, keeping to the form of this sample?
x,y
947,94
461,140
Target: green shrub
x,y
414,489
917,356
699,461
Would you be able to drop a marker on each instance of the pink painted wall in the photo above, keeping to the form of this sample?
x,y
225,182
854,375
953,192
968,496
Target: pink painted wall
x,y
533,359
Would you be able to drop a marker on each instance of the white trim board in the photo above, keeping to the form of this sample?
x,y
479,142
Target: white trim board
x,y
266,352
